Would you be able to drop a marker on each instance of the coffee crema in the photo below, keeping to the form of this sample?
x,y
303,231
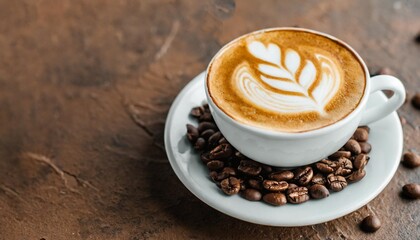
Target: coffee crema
x,y
286,80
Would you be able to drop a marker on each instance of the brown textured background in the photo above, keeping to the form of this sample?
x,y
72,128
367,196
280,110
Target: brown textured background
x,y
85,87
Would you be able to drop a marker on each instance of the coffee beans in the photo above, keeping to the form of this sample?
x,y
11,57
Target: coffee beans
x,y
297,195
276,199
249,167
231,185
336,183
275,186
353,146
370,224
411,190
304,175
235,173
415,101
251,194
318,191
411,160
361,135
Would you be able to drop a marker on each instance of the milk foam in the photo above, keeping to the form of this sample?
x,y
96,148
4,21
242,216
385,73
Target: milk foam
x,y
289,83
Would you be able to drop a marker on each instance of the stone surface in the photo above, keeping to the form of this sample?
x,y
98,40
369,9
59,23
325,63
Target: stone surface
x,y
85,87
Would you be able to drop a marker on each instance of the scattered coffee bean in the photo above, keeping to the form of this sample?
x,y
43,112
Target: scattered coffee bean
x,y
276,199
292,185
356,176
336,183
281,176
214,176
365,147
266,169
415,101
192,133
275,186
297,195
207,133
206,117
251,194
205,158
249,167
223,140
318,179
303,176
231,185
411,190
361,135
340,154
214,139
215,165
197,111
255,184
222,151
370,224
326,166
366,128
206,125
353,146
411,160
360,161
200,144
243,186
318,191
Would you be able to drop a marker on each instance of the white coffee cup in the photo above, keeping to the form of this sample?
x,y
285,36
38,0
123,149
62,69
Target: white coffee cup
x,y
286,149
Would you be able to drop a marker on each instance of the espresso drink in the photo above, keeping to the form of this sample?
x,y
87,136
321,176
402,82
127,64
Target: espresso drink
x,y
286,80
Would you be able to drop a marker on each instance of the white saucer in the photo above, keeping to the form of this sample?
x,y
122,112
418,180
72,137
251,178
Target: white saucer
x,y
386,139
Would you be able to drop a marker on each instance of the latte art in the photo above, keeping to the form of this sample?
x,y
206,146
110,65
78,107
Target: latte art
x,y
302,87
287,80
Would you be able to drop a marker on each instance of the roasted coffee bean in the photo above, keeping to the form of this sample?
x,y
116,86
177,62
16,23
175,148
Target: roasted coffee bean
x,y
303,176
318,191
207,133
240,155
360,161
370,224
353,146
200,144
336,183
411,190
229,171
326,166
231,185
206,117
318,179
251,194
205,157
345,167
415,101
297,195
366,128
197,111
281,176
203,126
215,165
243,186
222,151
276,199
411,160
365,147
214,176
192,133
214,139
275,186
266,169
356,176
361,135
340,154
255,184
292,185
223,141
249,167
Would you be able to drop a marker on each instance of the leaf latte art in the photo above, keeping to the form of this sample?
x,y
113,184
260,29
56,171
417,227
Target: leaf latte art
x,y
287,82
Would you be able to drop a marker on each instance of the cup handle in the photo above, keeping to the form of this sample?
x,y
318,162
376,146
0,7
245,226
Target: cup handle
x,y
384,82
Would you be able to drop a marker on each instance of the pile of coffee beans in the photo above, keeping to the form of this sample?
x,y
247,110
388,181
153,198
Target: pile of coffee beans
x,y
235,173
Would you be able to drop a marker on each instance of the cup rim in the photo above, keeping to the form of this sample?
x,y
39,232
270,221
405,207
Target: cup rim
x,y
278,134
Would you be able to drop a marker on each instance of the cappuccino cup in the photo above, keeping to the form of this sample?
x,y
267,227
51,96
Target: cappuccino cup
x,y
291,96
